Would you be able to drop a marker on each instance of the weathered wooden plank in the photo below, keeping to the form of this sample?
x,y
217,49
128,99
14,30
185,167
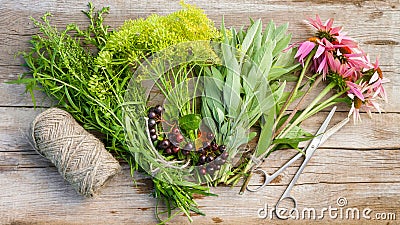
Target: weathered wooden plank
x,y
44,188
45,198
14,95
359,162
381,16
371,12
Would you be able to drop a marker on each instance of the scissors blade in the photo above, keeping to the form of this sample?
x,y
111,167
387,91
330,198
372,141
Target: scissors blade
x,y
311,148
333,130
319,135
325,124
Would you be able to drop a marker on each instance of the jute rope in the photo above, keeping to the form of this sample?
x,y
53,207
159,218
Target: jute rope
x,y
79,156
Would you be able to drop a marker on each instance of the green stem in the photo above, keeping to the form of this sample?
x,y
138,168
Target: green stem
x,y
308,109
293,94
297,107
324,104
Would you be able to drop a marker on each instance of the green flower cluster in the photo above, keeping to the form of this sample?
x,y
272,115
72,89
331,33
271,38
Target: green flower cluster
x,y
139,38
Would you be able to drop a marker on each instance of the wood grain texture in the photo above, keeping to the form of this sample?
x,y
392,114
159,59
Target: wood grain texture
x,y
359,163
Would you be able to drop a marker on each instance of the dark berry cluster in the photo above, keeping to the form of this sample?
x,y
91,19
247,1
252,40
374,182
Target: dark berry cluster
x,y
211,157
167,144
154,116
208,155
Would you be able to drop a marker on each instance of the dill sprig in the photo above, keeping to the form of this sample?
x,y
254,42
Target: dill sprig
x,y
63,65
88,79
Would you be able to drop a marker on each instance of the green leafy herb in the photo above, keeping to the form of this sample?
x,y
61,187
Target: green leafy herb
x,y
190,122
245,90
87,72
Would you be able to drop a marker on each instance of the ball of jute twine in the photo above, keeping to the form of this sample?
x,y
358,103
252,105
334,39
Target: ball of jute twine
x,y
79,156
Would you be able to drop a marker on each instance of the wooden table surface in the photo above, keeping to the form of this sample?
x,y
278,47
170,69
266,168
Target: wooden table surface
x,y
359,164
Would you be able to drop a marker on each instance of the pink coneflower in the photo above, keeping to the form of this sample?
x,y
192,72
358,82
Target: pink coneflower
x,y
332,34
355,108
304,50
356,61
377,80
337,57
369,103
329,42
324,30
372,91
342,75
323,55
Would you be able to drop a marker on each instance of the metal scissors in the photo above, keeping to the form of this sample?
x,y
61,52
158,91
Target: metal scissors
x,y
320,137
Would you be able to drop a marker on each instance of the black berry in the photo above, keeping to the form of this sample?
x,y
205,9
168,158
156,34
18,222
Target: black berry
x,y
152,115
210,136
153,137
224,155
165,144
201,151
158,109
206,144
220,161
179,138
203,171
222,148
185,152
175,130
168,151
210,169
214,146
152,109
188,146
217,167
210,158
152,131
152,123
175,149
202,159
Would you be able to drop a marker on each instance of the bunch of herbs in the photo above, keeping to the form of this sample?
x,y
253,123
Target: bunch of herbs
x,y
75,67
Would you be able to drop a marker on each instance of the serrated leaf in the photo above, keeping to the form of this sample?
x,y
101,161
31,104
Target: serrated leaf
x,y
190,122
294,137
297,132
